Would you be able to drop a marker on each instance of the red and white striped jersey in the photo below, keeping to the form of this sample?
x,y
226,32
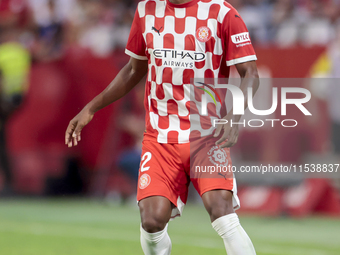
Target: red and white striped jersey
x,y
198,39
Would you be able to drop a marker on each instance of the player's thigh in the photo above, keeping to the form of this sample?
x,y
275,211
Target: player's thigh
x,y
161,174
211,168
218,203
212,177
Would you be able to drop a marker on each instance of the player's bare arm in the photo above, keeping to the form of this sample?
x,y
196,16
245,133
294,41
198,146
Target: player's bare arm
x,y
249,78
128,77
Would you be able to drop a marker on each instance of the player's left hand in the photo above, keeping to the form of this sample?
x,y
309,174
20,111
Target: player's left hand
x,y
230,134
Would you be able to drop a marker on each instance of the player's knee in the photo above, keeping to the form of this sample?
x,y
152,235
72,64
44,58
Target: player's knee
x,y
155,213
218,211
153,224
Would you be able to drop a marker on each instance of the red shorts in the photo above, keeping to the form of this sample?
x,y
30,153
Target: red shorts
x,y
165,170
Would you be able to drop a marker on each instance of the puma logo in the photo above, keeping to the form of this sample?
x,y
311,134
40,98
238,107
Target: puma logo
x,y
222,175
157,30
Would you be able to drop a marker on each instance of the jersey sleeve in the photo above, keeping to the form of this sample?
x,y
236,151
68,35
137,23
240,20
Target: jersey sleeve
x,y
135,46
238,47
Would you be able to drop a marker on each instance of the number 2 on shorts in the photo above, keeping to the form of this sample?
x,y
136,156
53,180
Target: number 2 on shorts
x,y
146,157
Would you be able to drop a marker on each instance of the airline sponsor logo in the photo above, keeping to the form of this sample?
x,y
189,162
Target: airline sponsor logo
x,y
178,54
178,58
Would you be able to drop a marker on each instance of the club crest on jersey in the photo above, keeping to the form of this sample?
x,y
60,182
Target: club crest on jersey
x,y
144,181
218,156
203,34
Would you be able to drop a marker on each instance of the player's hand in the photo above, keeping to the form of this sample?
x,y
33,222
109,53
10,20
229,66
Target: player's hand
x,y
73,131
230,134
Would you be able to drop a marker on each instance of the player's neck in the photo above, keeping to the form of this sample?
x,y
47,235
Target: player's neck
x,y
179,1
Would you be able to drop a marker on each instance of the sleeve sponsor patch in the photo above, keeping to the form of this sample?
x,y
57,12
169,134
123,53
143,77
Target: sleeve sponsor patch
x,y
240,38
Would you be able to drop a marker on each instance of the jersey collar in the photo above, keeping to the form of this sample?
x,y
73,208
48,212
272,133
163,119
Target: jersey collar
x,y
192,2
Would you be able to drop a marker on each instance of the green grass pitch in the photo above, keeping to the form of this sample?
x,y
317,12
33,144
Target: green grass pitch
x,y
78,227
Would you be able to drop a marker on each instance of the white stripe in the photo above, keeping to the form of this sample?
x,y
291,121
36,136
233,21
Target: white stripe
x,y
241,60
236,200
203,10
222,13
180,13
131,54
160,9
141,9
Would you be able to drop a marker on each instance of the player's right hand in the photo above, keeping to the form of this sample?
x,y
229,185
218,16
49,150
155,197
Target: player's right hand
x,y
73,131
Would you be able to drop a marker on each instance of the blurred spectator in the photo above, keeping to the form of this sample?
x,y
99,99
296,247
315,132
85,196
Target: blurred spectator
x,y
334,89
328,67
131,122
256,16
14,70
102,26
97,32
49,27
286,21
49,17
129,159
318,29
14,13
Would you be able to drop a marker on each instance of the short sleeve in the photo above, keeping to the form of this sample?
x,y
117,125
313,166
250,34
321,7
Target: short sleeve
x,y
238,46
135,46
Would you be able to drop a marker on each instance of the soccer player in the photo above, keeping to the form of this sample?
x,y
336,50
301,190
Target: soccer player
x,y
173,41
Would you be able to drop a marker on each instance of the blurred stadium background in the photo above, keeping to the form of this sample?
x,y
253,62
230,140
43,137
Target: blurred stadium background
x,y
56,55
